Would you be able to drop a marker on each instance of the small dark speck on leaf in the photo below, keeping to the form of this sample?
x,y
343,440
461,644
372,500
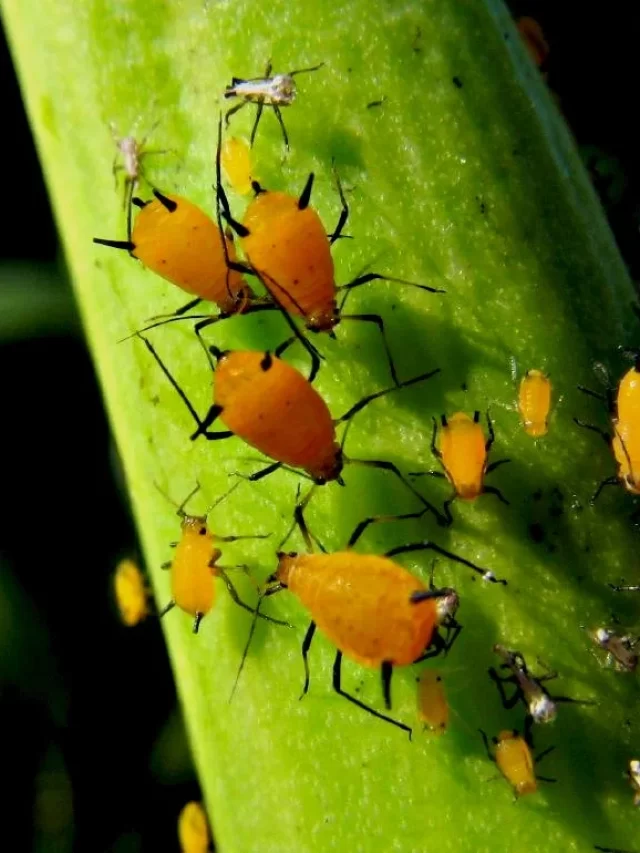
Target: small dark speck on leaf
x,y
377,103
457,82
464,387
536,532
556,511
537,496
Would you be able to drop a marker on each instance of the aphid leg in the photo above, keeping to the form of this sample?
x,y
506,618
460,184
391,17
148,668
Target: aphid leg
x,y
344,212
361,404
305,195
379,519
259,475
485,740
234,595
495,465
166,565
528,730
276,110
440,646
492,436
236,108
217,538
246,648
306,645
624,588
299,520
602,397
197,621
254,129
491,490
610,481
386,671
377,319
374,276
337,666
500,681
447,508
303,71
129,187
435,452
427,545
167,608
604,435
543,754
386,465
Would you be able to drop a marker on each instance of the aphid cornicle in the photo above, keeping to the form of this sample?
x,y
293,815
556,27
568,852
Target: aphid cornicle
x,y
433,709
534,402
275,92
541,706
462,451
131,592
195,566
272,407
514,759
373,610
620,649
193,829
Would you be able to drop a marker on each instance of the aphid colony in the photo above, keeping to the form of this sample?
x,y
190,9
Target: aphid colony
x,y
368,606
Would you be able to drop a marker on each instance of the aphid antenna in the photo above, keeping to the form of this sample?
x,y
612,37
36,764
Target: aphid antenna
x,y
306,70
246,647
179,507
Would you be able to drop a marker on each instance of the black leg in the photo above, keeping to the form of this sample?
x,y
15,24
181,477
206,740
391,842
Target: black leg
x,y
440,646
361,404
386,465
259,475
447,508
276,110
434,436
305,195
507,702
427,545
344,212
233,111
234,595
492,435
600,432
491,490
375,318
306,645
197,621
544,754
386,671
374,276
379,519
495,465
610,481
254,129
337,687
167,608
485,741
217,538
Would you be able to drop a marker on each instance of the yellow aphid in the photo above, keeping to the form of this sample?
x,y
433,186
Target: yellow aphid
x,y
193,832
132,595
534,402
236,161
433,709
515,762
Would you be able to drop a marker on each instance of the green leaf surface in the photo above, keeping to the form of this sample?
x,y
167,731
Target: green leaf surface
x,y
472,184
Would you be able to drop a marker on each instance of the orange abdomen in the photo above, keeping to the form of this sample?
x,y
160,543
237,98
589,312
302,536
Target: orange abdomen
x,y
192,581
361,603
290,249
628,399
275,410
184,246
534,402
464,457
626,449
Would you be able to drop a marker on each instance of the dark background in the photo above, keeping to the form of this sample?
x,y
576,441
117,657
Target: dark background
x,y
93,744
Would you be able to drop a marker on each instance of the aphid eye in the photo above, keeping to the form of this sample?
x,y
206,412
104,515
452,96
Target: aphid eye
x,y
202,531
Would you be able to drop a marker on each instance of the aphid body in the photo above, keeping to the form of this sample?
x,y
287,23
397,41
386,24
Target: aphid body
x,y
515,762
463,454
620,649
534,402
193,831
364,605
131,593
236,162
433,708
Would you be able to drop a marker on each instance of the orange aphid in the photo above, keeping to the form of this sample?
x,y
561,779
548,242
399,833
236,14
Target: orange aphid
x,y
237,165
433,708
512,754
182,244
534,402
132,595
534,39
193,830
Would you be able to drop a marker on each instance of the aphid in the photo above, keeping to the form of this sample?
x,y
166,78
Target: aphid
x,y
620,649
540,705
271,406
132,595
372,609
534,39
288,249
433,709
634,779
534,402
179,242
463,454
514,759
625,588
236,163
128,159
277,91
625,422
195,566
193,830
